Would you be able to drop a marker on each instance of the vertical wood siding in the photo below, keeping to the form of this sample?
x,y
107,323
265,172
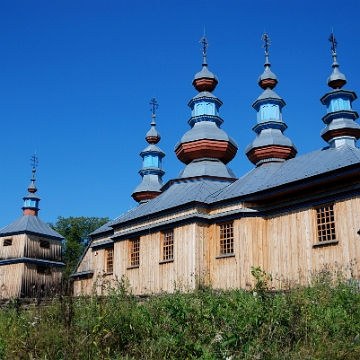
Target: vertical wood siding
x,y
281,244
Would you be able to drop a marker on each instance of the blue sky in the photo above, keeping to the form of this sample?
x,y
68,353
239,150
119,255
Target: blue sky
x,y
76,78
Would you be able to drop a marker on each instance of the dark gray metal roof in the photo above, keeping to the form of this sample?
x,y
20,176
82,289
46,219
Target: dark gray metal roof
x,y
207,167
106,227
153,149
179,193
205,130
29,224
268,94
150,182
270,137
272,175
205,73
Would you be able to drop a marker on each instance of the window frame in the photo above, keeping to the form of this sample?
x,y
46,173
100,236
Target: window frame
x,y
134,253
325,225
226,242
167,246
109,260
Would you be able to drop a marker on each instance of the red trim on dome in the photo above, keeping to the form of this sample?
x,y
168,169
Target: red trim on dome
x,y
222,150
341,132
145,195
205,84
272,151
268,83
337,84
152,139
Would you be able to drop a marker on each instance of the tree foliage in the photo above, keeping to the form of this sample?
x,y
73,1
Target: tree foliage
x,y
76,231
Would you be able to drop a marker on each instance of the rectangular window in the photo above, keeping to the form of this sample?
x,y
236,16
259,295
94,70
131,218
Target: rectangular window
x,y
168,245
109,254
135,252
325,223
44,244
226,239
8,242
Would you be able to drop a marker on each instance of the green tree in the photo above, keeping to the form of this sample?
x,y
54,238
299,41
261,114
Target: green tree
x,y
76,231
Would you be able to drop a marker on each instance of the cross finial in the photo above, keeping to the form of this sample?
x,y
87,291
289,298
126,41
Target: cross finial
x,y
34,161
154,106
205,45
265,38
333,42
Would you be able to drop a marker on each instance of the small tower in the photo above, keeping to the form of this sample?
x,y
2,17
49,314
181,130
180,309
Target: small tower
x,y
341,127
30,252
270,145
205,148
151,171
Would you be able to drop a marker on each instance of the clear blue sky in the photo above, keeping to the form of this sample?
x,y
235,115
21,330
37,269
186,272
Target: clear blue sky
x,y
76,78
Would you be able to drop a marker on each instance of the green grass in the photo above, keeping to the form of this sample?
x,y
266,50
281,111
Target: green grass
x,y
319,321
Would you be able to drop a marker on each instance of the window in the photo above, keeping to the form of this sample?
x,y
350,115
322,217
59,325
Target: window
x,y
168,245
135,252
109,256
325,223
226,239
44,244
8,242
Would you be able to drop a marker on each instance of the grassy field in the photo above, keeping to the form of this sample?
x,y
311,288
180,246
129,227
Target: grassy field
x,y
319,321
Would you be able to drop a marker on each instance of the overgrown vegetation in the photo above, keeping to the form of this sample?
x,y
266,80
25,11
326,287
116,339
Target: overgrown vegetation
x,y
319,321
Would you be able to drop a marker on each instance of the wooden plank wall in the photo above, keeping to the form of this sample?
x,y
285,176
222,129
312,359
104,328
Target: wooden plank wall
x,y
16,250
281,244
35,284
33,249
10,280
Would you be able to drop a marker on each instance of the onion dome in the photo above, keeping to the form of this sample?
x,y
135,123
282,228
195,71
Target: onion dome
x,y
205,148
205,80
31,201
267,79
341,127
270,145
151,172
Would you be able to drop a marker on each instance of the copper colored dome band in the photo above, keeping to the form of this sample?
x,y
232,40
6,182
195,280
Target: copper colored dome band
x,y
272,151
145,195
341,132
222,150
205,84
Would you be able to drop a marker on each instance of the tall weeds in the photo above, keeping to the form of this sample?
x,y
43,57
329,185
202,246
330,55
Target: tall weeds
x,y
319,321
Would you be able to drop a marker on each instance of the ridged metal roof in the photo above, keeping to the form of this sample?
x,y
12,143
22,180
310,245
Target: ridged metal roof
x,y
29,224
179,193
272,175
206,167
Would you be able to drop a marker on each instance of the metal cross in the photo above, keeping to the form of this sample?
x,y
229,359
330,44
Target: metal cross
x,y
333,42
154,106
265,38
205,44
34,161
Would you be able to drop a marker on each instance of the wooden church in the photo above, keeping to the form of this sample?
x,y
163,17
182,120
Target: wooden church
x,y
290,215
30,253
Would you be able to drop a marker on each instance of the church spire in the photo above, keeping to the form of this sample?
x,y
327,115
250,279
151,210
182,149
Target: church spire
x,y
341,127
151,172
270,145
31,201
205,148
